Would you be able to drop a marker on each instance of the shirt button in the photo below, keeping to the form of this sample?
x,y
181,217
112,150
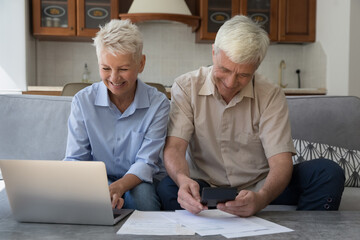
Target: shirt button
x,y
329,200
326,206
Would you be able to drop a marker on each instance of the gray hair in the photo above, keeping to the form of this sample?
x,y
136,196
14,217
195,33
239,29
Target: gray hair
x,y
242,40
119,37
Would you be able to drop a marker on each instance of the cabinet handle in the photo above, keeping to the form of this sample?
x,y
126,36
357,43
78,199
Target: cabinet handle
x,y
71,28
82,29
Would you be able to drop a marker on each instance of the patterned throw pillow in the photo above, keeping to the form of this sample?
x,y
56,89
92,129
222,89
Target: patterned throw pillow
x,y
349,160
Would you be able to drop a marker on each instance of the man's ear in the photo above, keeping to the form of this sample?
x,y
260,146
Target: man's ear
x,y
213,53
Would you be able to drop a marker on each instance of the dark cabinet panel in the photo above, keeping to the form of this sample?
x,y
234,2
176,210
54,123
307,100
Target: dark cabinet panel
x,y
71,19
284,20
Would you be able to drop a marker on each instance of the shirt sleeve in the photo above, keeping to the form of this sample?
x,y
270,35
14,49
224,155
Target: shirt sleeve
x,y
275,131
181,118
148,161
78,144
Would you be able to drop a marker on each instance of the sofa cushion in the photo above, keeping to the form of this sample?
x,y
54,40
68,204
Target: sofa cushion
x,y
333,120
350,199
348,160
33,126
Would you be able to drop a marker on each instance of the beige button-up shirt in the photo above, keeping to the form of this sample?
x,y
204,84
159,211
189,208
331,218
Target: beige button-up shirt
x,y
229,144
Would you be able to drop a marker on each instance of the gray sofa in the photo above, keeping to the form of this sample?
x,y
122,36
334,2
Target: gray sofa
x,y
35,127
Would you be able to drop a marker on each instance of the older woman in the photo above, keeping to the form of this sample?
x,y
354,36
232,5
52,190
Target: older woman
x,y
121,120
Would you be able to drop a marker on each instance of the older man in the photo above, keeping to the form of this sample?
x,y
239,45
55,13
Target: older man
x,y
235,126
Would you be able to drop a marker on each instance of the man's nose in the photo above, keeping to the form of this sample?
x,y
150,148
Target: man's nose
x,y
230,81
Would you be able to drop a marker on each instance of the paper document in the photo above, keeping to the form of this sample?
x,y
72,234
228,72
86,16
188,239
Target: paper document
x,y
152,223
271,228
208,222
213,222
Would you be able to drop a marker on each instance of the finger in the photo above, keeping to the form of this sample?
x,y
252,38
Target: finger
x,y
242,193
237,209
242,212
115,199
195,192
241,200
189,207
188,202
120,203
234,207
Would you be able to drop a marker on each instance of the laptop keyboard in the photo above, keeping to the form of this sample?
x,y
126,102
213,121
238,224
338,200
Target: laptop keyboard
x,y
116,213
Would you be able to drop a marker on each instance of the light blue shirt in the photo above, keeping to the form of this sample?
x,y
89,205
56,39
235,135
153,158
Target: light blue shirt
x,y
128,142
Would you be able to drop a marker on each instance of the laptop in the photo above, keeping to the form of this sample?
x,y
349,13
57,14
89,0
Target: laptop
x,y
70,192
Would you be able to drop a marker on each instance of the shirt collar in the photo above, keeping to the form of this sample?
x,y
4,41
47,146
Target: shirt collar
x,y
141,99
248,90
102,96
208,88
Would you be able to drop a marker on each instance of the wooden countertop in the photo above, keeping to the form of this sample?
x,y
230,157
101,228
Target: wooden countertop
x,y
56,90
44,90
304,91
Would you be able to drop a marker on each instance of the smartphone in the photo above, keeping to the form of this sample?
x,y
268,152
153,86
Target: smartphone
x,y
211,196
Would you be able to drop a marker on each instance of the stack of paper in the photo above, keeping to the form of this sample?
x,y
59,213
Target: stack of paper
x,y
208,222
213,222
152,223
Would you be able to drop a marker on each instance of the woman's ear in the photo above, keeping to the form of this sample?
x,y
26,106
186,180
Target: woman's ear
x,y
142,63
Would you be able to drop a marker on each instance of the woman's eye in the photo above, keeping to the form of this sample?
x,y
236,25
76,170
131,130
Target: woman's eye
x,y
106,69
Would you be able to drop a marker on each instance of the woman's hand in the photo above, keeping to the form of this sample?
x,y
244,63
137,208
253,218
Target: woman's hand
x,y
116,194
120,187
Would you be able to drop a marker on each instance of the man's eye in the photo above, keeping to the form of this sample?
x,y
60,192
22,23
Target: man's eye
x,y
123,69
245,75
106,69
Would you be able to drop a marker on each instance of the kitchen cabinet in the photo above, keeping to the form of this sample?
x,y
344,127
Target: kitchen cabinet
x,y
297,20
71,19
291,21
213,14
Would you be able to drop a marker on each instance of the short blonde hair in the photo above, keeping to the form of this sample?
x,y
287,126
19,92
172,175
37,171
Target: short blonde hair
x,y
242,40
119,37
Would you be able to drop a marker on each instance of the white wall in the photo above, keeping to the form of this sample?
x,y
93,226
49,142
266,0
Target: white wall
x,y
13,46
333,27
354,63
17,47
30,46
338,33
171,50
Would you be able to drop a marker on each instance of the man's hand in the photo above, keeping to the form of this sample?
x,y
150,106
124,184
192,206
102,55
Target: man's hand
x,y
189,196
246,204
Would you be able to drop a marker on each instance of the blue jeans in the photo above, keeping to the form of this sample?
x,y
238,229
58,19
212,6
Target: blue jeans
x,y
315,185
143,197
167,191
